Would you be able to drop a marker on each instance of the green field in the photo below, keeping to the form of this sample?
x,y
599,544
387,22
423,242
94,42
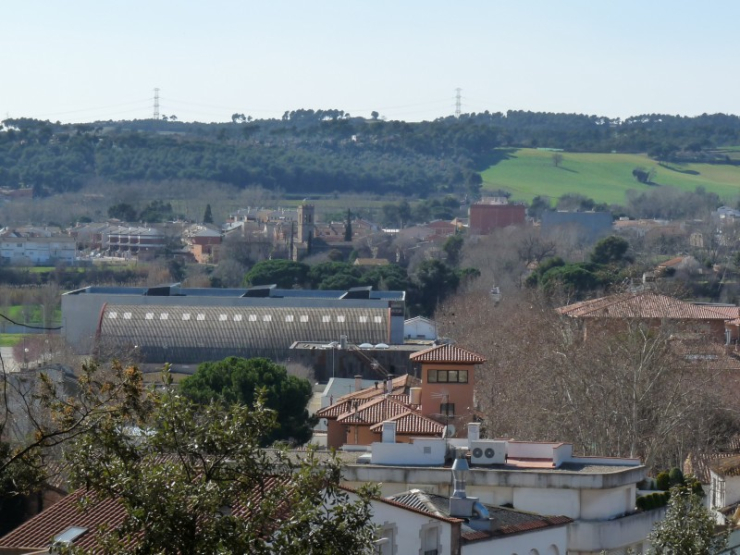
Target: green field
x,y
31,314
602,177
10,339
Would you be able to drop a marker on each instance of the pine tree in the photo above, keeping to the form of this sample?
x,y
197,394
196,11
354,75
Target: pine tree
x,y
208,216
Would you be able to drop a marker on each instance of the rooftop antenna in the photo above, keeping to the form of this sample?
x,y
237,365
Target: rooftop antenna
x,y
458,102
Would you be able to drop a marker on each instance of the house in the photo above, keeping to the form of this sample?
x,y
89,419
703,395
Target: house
x,y
28,250
420,328
494,213
438,403
202,241
654,309
598,494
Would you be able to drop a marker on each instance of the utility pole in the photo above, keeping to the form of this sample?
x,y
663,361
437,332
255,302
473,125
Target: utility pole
x,y
458,102
156,103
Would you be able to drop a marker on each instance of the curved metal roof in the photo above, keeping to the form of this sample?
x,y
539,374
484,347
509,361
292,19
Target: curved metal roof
x,y
188,334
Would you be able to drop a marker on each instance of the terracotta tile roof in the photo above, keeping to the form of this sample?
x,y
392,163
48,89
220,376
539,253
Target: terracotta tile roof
x,y
374,411
410,423
726,466
447,354
641,305
343,404
38,532
698,464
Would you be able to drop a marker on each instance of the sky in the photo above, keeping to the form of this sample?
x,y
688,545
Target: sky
x,y
88,60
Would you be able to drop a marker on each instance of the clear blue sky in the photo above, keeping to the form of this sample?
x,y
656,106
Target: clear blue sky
x,y
82,60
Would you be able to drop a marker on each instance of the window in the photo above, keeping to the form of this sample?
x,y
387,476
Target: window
x,y
288,317
304,318
252,317
222,317
378,319
201,317
164,316
113,315
237,317
186,316
340,318
127,316
363,319
447,376
447,409
149,316
267,318
326,319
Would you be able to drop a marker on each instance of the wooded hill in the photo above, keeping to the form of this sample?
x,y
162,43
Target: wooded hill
x,y
328,151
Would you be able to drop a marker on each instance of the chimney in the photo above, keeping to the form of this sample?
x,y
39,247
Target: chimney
x,y
389,432
415,395
473,431
358,382
389,384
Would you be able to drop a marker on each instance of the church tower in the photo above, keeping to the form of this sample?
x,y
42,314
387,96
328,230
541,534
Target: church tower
x,y
305,223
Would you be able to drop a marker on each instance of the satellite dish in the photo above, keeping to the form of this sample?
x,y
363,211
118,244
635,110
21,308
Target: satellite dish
x,y
448,431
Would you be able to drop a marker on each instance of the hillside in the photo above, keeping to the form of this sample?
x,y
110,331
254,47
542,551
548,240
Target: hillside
x,y
602,177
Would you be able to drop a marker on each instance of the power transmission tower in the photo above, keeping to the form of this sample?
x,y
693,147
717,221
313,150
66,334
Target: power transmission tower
x,y
458,102
156,103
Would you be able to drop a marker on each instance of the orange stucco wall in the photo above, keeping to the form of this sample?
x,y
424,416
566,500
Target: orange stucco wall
x,y
434,394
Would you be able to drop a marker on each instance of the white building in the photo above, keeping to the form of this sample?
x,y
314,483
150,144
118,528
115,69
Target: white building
x,y
37,250
599,494
420,328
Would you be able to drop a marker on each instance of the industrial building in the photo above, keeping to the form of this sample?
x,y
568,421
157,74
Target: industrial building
x,y
180,325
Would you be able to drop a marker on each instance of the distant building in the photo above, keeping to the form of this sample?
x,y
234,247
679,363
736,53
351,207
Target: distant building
x,y
190,325
37,250
420,328
493,213
590,225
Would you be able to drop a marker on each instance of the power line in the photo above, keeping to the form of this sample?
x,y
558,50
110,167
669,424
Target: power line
x,y
156,103
30,326
458,102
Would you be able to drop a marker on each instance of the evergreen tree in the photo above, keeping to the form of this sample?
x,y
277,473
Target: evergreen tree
x,y
208,216
348,226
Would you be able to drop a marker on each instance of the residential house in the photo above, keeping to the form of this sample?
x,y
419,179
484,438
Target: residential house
x,y
494,213
598,493
202,241
17,248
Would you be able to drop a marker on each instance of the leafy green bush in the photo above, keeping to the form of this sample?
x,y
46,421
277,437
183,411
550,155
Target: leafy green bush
x,y
676,477
663,481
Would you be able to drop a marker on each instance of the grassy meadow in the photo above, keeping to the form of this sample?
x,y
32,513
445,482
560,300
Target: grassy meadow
x,y
602,177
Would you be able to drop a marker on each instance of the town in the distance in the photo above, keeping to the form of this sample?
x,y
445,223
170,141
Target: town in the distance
x,y
489,333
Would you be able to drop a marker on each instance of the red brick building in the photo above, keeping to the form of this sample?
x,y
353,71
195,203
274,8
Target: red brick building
x,y
490,214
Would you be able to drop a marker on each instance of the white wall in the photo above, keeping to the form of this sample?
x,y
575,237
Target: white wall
x,y
732,490
422,452
419,329
602,504
551,541
408,527
564,502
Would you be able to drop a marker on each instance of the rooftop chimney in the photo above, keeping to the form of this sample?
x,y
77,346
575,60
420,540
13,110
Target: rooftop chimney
x,y
389,432
358,382
389,384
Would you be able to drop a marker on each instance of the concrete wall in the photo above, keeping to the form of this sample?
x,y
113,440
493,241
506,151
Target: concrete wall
x,y
617,534
551,541
548,501
602,504
422,452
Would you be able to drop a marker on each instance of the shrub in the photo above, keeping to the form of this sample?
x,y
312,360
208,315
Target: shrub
x,y
663,481
675,477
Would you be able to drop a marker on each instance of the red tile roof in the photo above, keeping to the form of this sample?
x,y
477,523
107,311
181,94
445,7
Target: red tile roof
x,y
38,532
343,404
412,423
646,305
447,354
374,411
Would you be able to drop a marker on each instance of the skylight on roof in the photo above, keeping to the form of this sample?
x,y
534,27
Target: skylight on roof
x,y
149,315
201,317
69,535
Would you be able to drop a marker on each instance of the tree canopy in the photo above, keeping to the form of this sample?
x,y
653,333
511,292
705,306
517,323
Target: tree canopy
x,y
194,479
239,381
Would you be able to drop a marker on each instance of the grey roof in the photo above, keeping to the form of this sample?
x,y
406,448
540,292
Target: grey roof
x,y
166,333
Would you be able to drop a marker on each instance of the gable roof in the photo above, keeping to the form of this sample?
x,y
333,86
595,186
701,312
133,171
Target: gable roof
x,y
447,354
645,305
729,466
374,411
412,423
345,403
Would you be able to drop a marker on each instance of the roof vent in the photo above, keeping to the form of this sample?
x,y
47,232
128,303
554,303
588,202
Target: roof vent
x,y
259,291
358,293
69,535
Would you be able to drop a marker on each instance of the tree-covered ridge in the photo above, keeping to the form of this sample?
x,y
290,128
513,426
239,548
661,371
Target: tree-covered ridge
x,y
326,151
